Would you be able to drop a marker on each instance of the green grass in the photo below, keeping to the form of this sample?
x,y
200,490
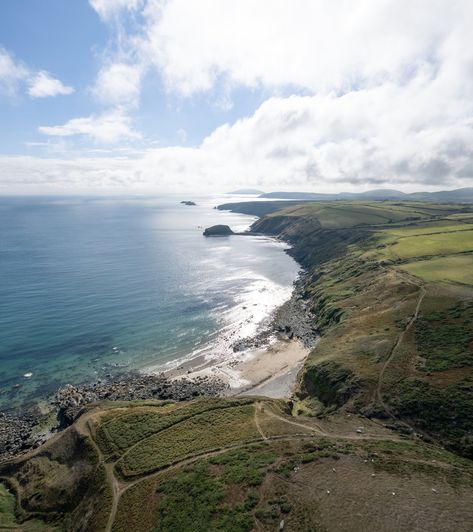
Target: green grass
x,y
8,519
445,338
215,494
343,214
204,498
211,430
426,228
452,269
436,244
7,509
118,433
446,411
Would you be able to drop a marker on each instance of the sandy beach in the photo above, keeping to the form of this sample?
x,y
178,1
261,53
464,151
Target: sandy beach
x,y
270,370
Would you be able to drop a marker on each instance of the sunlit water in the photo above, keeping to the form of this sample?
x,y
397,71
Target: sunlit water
x,y
79,277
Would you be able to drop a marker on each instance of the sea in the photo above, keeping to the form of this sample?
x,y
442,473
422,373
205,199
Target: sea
x,y
94,286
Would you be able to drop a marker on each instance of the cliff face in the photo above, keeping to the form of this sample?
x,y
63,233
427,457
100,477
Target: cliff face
x,y
311,243
374,356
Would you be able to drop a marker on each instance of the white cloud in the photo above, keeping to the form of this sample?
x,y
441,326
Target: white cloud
x,y
42,85
12,74
118,83
313,44
388,96
107,128
379,136
108,9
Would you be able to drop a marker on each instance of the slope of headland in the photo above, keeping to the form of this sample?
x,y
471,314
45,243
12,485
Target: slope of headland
x,y
384,401
391,288
232,464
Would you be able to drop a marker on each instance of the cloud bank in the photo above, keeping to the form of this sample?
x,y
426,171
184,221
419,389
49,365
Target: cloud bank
x,y
362,93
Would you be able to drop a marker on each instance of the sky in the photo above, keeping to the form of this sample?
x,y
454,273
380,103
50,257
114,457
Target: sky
x,y
150,96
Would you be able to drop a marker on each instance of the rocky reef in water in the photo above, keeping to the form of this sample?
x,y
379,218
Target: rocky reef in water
x,y
218,230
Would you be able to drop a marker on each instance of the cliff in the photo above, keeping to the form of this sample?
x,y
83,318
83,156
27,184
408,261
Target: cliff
x,y
379,290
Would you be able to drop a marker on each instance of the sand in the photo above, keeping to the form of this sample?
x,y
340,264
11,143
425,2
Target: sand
x,y
270,371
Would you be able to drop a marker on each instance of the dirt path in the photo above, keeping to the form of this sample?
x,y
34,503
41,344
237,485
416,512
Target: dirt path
x,y
259,406
399,341
84,426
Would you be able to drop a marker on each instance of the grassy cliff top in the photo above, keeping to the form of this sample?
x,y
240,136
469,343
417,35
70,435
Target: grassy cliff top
x,y
386,391
342,214
232,464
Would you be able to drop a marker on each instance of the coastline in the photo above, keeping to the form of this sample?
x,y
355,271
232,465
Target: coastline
x,y
266,363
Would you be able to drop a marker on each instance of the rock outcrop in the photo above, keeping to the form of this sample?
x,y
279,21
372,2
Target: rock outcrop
x,y
70,399
218,230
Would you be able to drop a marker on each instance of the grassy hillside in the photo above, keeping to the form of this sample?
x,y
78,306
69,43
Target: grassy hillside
x,y
257,467
393,301
385,402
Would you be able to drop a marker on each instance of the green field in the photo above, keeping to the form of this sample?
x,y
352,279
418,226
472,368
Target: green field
x,y
427,228
453,269
116,434
332,215
203,432
433,244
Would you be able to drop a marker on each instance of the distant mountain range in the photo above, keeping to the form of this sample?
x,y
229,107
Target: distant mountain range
x,y
247,191
460,195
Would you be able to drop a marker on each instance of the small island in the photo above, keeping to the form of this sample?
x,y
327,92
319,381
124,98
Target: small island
x,y
218,230
190,203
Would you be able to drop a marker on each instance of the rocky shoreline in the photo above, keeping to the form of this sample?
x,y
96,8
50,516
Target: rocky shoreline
x,y
293,319
26,431
70,399
21,433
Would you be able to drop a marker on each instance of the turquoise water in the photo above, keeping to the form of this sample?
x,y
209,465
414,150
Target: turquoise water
x,y
82,276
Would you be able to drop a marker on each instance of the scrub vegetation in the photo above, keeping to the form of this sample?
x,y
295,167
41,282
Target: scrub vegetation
x,y
384,402
393,302
244,472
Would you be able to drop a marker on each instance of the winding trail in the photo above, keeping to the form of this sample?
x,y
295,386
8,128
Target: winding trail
x,y
119,487
390,357
258,406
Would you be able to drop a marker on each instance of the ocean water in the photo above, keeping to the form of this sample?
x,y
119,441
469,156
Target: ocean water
x,y
82,276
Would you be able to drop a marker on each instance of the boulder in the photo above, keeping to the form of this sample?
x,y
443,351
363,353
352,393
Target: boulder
x,y
218,230
189,203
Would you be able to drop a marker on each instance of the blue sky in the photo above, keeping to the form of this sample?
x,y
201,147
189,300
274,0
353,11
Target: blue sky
x,y
59,37
68,40
156,95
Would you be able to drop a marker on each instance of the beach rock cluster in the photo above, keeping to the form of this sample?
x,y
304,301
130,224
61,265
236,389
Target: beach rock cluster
x,y
292,320
71,399
16,434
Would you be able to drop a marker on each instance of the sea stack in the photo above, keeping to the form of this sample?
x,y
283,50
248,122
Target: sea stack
x,y
218,230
